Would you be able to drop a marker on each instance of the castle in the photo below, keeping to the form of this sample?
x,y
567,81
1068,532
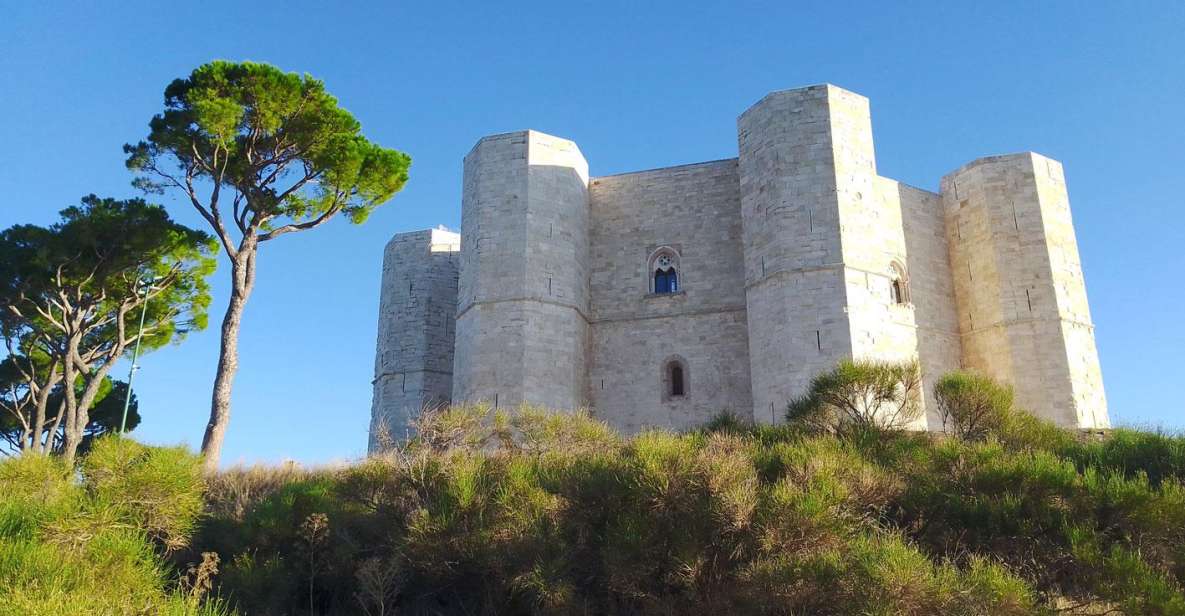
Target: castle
x,y
663,297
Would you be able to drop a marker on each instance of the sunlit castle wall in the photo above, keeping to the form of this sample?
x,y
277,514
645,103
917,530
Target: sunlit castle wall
x,y
788,258
1019,286
522,316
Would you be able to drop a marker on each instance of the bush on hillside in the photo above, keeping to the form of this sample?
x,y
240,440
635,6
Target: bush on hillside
x,y
575,519
530,429
501,512
972,406
527,513
858,395
92,544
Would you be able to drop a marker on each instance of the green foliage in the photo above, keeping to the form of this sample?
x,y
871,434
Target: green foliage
x,y
859,394
99,253
159,488
521,512
277,140
1157,455
527,513
83,544
105,416
971,405
71,296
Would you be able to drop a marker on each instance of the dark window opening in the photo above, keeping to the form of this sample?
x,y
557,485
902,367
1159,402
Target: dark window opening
x,y
666,281
898,292
676,380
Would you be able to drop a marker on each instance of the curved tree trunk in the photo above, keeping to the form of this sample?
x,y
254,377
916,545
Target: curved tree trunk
x,y
228,359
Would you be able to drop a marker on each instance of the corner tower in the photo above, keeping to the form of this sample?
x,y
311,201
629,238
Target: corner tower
x,y
522,325
413,364
816,241
1023,314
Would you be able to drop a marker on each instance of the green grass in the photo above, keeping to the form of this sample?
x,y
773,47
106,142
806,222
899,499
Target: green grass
x,y
527,513
94,544
533,513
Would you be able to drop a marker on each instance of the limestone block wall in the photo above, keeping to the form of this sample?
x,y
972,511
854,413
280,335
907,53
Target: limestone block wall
x,y
1018,286
786,257
523,298
793,247
414,352
931,289
693,210
1069,291
872,239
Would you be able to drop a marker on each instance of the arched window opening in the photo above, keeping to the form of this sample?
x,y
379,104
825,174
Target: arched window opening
x,y
899,284
664,265
676,380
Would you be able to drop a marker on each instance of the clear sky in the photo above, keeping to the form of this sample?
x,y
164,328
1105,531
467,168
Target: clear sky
x,y
1097,85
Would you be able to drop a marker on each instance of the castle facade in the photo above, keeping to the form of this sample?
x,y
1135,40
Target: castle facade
x,y
663,297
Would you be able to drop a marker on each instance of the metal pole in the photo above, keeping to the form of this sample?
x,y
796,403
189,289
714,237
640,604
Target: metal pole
x,y
127,399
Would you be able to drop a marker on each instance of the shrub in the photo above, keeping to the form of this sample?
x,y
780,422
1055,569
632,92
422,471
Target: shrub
x,y
972,406
553,514
1157,455
475,427
1025,431
860,394
158,488
88,543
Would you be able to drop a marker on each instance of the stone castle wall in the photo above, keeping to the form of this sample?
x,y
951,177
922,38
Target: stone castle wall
x,y
417,315
787,257
693,210
1019,288
522,323
930,285
794,278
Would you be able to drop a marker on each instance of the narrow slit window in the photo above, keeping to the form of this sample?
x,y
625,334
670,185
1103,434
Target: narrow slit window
x,y
898,284
674,379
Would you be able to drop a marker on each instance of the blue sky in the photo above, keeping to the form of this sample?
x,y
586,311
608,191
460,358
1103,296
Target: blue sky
x,y
1099,86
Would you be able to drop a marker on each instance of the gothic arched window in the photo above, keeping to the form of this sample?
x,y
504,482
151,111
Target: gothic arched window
x,y
664,263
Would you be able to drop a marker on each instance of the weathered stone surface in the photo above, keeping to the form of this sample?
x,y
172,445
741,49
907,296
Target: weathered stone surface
x,y
413,364
693,213
522,318
788,258
1021,297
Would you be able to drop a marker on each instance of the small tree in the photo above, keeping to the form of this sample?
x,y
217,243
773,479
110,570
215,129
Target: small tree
x,y
288,159
25,387
971,405
71,296
859,393
105,417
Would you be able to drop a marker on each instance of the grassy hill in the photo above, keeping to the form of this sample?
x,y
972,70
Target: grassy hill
x,y
531,513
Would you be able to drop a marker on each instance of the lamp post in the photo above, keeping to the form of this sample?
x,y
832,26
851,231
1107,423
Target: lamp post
x,y
127,399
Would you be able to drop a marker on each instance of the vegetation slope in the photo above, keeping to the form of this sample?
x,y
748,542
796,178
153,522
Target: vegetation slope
x,y
533,513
